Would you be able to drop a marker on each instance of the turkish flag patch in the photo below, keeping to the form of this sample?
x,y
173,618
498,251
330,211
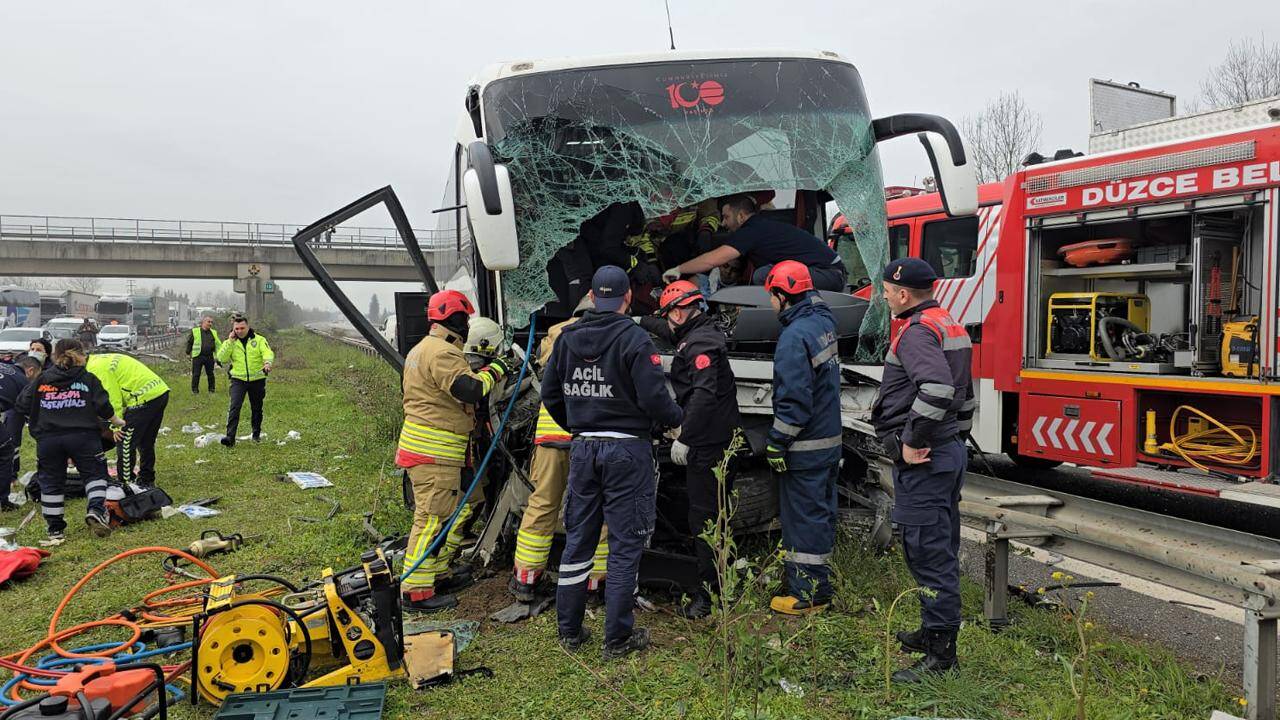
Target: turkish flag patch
x,y
656,359
702,362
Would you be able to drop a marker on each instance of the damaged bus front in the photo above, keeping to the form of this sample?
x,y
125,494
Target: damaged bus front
x,y
561,166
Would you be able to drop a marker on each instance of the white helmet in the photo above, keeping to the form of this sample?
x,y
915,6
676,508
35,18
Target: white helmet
x,y
484,337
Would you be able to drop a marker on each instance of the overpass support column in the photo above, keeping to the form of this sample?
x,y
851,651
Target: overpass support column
x,y
249,279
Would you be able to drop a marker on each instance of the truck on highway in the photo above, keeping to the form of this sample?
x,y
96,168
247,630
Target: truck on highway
x,y
67,302
546,151
114,308
19,307
150,314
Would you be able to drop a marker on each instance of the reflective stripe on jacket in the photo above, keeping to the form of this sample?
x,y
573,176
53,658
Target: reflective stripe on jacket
x,y
129,382
247,356
437,424
806,380
547,431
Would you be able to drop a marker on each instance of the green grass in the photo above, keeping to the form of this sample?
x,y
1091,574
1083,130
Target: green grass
x,y
345,404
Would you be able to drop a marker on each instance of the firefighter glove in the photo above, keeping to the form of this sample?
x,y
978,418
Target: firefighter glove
x,y
777,458
499,367
671,274
679,453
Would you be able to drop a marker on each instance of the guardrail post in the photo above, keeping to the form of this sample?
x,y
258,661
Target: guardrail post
x,y
1259,664
995,603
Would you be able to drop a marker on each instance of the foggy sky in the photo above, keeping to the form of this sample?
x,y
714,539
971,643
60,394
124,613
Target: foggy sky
x,y
281,112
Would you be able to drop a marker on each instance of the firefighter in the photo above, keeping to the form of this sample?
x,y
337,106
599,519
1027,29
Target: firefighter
x,y
63,407
803,446
440,395
140,397
549,474
13,380
604,383
765,242
202,345
925,406
705,388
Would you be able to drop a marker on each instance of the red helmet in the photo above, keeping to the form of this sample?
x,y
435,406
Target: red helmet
x,y
678,294
447,302
839,226
790,277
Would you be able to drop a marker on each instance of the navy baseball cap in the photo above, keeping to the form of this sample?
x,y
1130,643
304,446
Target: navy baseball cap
x,y
910,272
610,285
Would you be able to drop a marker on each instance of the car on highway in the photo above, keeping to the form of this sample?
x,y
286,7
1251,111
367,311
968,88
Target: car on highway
x,y
63,327
18,339
118,337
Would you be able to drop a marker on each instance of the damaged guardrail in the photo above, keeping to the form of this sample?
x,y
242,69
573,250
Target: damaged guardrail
x,y
1226,565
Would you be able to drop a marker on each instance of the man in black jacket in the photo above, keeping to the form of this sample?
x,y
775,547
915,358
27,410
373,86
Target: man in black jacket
x,y
604,384
13,380
705,388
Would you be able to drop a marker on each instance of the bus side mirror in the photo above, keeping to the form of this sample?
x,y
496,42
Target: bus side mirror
x,y
487,187
957,182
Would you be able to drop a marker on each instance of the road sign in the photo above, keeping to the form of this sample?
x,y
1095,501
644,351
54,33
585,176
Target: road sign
x,y
269,286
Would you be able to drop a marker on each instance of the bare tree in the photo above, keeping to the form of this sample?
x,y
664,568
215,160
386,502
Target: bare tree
x,y
90,285
1251,71
1001,135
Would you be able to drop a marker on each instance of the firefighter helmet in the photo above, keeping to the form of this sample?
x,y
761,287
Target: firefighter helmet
x,y
484,337
680,293
446,303
790,277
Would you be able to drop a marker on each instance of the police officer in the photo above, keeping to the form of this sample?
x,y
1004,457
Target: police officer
x,y
924,408
705,388
202,345
803,445
140,397
440,394
549,475
604,383
249,357
13,380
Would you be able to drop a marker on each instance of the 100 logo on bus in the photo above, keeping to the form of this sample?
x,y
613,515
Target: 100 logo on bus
x,y
695,95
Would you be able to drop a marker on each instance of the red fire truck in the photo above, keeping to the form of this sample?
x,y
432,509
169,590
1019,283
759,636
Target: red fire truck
x,y
1124,310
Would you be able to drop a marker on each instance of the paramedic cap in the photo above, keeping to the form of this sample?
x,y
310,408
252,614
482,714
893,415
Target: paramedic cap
x,y
910,272
610,285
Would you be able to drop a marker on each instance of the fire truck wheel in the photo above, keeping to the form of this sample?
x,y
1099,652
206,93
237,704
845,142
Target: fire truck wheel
x,y
1033,463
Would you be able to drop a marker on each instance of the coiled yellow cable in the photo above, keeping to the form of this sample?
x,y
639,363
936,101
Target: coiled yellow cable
x,y
1220,444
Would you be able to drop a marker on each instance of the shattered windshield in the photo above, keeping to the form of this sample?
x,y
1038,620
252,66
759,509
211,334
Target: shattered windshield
x,y
662,137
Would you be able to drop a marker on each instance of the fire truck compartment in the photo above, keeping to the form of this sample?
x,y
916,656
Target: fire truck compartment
x,y
1214,433
1072,429
1164,306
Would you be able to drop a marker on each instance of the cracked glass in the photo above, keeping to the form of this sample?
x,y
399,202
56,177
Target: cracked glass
x,y
664,136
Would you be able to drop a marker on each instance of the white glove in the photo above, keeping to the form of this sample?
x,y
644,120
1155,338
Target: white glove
x,y
671,275
679,453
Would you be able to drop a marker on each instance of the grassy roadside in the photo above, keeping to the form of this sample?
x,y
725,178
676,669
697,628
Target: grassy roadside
x,y
345,407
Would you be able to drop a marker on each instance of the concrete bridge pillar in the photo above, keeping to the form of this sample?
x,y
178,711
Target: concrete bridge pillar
x,y
249,280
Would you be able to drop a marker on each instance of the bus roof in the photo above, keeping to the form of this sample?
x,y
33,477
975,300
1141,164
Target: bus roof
x,y
520,67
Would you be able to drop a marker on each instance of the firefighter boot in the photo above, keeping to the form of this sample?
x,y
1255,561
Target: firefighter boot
x,y
939,657
792,605
426,600
525,592
638,641
914,641
460,579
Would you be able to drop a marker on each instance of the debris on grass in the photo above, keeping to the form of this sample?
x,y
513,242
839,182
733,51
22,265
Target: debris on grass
x,y
309,480
192,429
207,439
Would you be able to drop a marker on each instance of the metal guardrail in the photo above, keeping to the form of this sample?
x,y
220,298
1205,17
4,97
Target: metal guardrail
x,y
1226,565
162,341
356,343
208,232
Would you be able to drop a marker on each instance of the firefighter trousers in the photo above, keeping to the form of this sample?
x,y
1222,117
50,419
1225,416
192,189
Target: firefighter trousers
x,y
807,509
436,491
926,508
138,444
704,506
549,474
10,436
611,479
84,449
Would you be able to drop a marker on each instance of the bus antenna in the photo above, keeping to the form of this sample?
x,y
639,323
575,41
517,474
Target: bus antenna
x,y
670,33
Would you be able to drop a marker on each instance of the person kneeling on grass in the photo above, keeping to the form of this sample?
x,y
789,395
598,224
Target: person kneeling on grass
x,y
63,406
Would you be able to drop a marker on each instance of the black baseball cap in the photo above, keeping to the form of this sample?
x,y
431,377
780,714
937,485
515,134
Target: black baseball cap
x,y
610,285
910,272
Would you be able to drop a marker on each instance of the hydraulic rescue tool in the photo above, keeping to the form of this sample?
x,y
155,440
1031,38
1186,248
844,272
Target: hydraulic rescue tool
x,y
348,623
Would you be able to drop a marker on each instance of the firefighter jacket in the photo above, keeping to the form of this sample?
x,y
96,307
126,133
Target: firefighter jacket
x,y
247,356
196,342
440,395
702,379
12,382
926,393
806,379
61,401
129,383
605,375
548,432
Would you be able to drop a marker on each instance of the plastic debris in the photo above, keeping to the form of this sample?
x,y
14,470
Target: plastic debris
x,y
174,446
166,430
309,480
341,457
192,429
202,461
293,435
207,439
791,688
196,512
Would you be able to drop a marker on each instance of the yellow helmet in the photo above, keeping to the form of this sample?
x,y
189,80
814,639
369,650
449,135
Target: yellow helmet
x,y
484,337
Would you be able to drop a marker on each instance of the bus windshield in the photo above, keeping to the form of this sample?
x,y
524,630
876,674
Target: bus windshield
x,y
672,135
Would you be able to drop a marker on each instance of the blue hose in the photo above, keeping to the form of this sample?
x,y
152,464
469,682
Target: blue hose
x,y
53,662
497,437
